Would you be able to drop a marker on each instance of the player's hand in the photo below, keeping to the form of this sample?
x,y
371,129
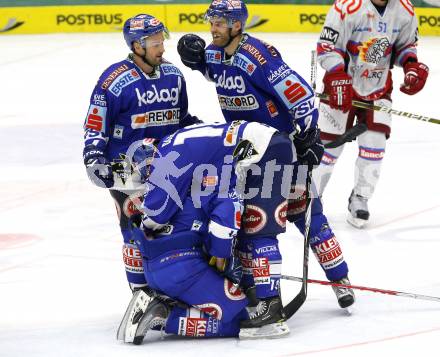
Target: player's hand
x,y
309,147
98,168
416,74
339,86
230,268
233,269
191,49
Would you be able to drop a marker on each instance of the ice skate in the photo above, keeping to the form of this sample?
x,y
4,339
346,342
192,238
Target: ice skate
x,y
345,296
358,210
154,318
266,322
137,306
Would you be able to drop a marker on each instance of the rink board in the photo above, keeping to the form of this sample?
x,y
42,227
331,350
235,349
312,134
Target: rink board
x,y
181,18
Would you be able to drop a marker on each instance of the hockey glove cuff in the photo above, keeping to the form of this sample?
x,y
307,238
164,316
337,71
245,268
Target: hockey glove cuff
x,y
98,168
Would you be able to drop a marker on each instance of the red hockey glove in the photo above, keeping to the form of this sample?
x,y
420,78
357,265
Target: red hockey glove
x,y
416,74
339,87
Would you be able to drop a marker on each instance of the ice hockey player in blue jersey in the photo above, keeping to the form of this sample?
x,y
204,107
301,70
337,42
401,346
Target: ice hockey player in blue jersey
x,y
194,199
253,83
141,96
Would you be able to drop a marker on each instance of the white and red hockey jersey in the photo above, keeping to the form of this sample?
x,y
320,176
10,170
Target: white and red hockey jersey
x,y
366,43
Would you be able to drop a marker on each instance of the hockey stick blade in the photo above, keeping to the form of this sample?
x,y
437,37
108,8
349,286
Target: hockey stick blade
x,y
350,135
365,288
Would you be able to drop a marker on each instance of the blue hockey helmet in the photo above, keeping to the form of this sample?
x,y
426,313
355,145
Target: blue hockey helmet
x,y
139,27
231,10
142,154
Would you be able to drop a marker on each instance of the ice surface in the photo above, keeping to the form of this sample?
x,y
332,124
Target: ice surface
x,y
62,283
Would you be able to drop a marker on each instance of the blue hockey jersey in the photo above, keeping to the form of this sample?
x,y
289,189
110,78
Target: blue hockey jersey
x,y
128,105
193,180
255,84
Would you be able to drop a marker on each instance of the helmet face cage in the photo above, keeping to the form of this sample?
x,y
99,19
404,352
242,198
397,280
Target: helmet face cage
x,y
140,27
231,10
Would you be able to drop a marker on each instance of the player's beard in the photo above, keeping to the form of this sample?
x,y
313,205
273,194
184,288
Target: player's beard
x,y
224,40
152,61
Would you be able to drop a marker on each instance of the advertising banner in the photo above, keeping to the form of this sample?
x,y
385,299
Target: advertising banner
x,y
178,18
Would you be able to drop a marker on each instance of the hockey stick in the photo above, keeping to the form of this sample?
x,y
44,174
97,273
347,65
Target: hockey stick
x,y
350,135
313,70
293,306
365,288
379,108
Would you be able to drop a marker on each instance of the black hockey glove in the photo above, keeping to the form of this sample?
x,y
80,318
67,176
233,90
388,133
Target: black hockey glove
x,y
230,268
233,270
98,168
309,147
191,49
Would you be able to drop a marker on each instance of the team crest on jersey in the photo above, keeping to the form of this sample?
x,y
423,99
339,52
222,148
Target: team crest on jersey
x,y
212,56
123,81
373,50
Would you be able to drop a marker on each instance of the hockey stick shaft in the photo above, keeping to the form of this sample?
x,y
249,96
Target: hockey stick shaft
x,y
379,108
313,69
364,288
293,306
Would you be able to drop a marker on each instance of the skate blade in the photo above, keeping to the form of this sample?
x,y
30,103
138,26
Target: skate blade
x,y
127,329
275,330
348,310
356,222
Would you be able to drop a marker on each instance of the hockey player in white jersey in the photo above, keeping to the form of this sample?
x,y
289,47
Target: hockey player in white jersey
x,y
359,44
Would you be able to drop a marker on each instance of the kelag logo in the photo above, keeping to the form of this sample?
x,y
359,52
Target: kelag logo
x,y
89,19
199,19
11,25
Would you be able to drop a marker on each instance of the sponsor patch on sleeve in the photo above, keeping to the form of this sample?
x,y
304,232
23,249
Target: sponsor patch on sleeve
x,y
123,81
96,117
244,63
212,56
169,69
328,34
292,91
